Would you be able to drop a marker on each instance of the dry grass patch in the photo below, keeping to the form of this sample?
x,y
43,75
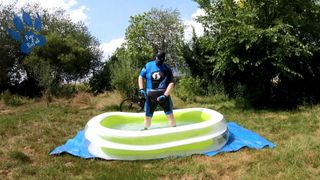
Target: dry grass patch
x,y
5,110
83,100
275,116
108,99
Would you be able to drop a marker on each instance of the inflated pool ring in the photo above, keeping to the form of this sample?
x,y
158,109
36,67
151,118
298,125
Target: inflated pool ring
x,y
118,135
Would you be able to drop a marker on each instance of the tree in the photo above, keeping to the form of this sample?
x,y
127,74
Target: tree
x,y
10,57
267,47
124,73
71,49
70,54
156,30
70,58
196,56
101,78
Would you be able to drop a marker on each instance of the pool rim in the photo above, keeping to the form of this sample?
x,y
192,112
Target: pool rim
x,y
94,123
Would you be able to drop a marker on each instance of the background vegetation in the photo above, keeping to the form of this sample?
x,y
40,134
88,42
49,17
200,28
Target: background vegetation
x,y
269,48
70,55
262,52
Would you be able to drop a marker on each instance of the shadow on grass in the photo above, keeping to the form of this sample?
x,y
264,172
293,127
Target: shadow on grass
x,y
19,156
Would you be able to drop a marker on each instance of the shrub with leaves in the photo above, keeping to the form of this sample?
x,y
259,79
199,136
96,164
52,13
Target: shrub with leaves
x,y
256,41
11,100
124,75
188,88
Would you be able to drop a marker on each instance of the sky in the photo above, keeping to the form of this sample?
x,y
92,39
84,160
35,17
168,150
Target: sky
x,y
107,20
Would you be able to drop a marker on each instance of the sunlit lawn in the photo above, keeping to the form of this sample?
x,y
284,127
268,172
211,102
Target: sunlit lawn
x,y
30,131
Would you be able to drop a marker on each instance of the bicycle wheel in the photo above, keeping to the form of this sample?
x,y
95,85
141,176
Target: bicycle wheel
x,y
129,105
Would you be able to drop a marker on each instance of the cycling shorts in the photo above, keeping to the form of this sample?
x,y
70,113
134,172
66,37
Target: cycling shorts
x,y
152,103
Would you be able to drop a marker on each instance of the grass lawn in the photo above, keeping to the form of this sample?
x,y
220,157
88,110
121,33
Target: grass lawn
x,y
30,131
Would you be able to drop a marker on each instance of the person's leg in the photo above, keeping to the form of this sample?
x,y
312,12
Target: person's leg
x,y
147,122
149,108
171,120
168,109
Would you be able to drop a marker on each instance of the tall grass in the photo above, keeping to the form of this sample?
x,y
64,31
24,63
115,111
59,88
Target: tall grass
x,y
30,131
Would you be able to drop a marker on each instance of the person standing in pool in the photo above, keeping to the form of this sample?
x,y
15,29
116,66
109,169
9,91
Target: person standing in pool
x,y
159,84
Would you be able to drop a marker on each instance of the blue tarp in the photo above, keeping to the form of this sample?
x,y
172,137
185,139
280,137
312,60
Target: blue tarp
x,y
239,138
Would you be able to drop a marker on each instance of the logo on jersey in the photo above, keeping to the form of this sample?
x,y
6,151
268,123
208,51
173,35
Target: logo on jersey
x,y
157,75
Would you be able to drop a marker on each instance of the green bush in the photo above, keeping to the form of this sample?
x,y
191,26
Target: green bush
x,y
188,88
83,87
124,77
214,88
11,100
66,91
101,79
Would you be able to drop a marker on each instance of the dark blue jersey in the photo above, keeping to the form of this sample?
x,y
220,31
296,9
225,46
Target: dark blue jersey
x,y
157,77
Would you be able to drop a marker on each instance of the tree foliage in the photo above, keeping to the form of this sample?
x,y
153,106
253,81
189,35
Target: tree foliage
x,y
156,29
268,47
10,57
70,54
124,74
196,55
101,78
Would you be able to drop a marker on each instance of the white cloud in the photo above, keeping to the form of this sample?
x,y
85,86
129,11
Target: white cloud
x,y
192,23
109,47
77,13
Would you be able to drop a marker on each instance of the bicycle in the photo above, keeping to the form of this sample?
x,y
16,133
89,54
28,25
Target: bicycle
x,y
134,103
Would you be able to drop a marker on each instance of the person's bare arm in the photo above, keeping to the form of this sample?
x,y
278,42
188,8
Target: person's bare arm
x,y
169,89
141,82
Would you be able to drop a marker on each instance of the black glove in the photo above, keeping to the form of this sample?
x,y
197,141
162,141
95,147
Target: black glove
x,y
142,93
162,98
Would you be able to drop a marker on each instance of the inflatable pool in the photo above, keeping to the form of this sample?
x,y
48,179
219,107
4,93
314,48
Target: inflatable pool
x,y
118,135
